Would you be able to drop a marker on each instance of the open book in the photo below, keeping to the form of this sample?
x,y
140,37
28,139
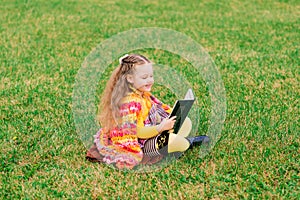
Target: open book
x,y
181,109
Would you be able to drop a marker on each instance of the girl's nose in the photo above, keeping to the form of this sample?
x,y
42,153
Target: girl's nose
x,y
150,80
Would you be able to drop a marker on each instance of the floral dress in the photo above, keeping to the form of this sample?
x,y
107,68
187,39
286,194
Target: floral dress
x,y
121,146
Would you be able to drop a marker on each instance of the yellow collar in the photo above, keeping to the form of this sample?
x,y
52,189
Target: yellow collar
x,y
140,93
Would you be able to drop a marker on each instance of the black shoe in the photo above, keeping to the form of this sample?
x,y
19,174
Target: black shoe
x,y
198,140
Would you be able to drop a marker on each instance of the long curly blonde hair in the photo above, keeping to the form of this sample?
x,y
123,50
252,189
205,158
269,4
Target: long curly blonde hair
x,y
117,88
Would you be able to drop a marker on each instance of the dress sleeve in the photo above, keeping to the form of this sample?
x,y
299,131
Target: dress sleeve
x,y
133,113
130,111
147,132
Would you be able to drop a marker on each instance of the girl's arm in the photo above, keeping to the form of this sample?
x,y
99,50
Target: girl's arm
x,y
147,132
151,131
131,110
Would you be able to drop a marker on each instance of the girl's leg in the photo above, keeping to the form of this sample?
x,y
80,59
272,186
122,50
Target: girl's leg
x,y
164,144
177,143
185,128
169,143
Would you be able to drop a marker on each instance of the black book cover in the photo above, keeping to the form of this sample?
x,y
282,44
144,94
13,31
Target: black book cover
x,y
181,109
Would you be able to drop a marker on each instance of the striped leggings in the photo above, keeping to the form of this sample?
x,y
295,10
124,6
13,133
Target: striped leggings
x,y
157,145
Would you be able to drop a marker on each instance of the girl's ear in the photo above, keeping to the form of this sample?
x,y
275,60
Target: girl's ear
x,y
129,78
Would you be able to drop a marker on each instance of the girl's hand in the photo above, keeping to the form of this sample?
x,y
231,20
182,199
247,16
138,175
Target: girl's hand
x,y
166,124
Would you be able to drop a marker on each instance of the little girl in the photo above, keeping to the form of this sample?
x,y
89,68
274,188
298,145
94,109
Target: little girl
x,y
134,123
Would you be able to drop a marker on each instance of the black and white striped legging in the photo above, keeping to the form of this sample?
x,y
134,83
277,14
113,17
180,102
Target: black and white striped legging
x,y
157,145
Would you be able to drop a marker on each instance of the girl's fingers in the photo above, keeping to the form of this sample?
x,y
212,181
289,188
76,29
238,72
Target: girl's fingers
x,y
173,118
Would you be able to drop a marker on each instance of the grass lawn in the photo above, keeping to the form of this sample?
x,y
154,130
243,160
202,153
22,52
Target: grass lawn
x,y
255,46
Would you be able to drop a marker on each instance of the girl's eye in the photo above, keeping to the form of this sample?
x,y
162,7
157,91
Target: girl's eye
x,y
145,77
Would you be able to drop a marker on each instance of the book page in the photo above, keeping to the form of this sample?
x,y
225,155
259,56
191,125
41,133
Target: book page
x,y
189,95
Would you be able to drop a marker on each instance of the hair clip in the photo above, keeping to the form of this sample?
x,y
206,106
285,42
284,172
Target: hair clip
x,y
121,59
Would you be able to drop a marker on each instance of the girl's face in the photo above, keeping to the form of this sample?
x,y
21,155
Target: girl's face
x,y
142,77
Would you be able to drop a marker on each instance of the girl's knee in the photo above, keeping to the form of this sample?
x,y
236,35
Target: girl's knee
x,y
177,143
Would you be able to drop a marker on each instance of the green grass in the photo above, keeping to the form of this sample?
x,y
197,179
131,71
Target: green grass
x,y
255,45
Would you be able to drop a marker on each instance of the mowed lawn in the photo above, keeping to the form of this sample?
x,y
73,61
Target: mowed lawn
x,y
255,46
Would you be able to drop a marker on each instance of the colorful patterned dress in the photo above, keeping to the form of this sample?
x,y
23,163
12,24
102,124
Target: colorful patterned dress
x,y
121,146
